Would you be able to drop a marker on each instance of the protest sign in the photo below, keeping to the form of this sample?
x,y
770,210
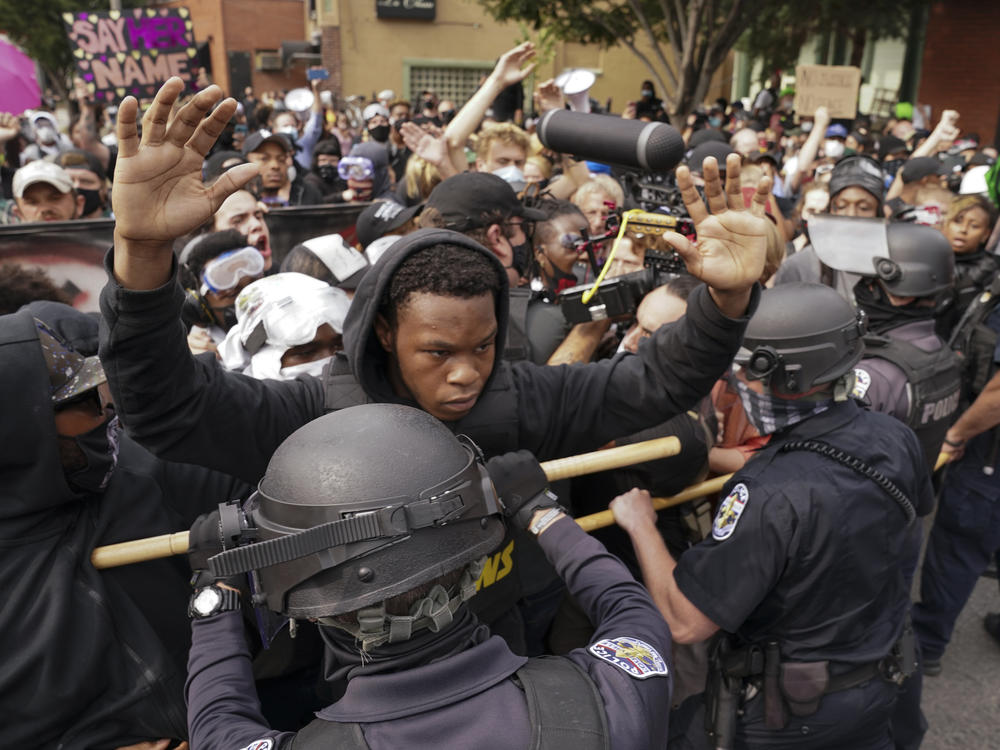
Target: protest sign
x,y
832,86
132,51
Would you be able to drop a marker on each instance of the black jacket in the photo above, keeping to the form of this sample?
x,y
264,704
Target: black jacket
x,y
91,659
190,409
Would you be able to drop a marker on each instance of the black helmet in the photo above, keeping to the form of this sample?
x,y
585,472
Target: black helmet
x,y
361,505
802,335
911,260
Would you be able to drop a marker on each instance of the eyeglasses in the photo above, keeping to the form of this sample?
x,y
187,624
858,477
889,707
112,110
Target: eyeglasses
x,y
528,227
225,271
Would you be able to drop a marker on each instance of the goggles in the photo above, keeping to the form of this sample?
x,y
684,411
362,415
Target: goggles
x,y
571,241
356,168
225,271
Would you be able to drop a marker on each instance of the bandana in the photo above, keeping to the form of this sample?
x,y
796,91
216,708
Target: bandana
x,y
769,414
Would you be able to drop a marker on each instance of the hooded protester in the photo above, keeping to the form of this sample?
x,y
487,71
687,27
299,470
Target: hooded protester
x,y
375,182
92,658
287,325
324,175
426,328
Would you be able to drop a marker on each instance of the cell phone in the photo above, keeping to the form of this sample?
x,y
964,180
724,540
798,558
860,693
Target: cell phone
x,y
317,74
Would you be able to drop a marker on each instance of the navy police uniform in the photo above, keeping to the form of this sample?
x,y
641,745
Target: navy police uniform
x,y
456,688
809,553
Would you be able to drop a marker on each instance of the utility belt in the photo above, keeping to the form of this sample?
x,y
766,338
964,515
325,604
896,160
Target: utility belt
x,y
736,675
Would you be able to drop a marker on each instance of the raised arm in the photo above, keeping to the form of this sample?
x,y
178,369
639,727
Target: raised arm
x,y
807,154
508,71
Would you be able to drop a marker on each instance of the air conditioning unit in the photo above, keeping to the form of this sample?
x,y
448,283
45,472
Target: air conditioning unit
x,y
269,61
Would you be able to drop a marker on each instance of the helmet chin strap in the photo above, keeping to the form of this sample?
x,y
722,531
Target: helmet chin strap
x,y
434,612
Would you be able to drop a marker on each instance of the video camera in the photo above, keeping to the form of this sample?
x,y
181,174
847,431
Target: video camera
x,y
620,296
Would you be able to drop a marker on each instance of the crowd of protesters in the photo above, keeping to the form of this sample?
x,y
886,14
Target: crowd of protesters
x,y
917,205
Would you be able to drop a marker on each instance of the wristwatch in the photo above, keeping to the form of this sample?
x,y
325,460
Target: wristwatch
x,y
211,600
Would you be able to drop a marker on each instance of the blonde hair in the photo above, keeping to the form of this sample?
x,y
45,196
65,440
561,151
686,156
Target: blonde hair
x,y
421,177
600,183
543,164
503,132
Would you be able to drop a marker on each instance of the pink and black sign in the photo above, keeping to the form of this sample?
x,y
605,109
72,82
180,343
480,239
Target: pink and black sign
x,y
132,51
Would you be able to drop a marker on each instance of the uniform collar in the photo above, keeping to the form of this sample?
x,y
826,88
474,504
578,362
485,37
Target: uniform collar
x,y
394,695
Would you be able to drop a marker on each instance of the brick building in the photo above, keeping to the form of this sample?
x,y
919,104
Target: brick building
x,y
960,63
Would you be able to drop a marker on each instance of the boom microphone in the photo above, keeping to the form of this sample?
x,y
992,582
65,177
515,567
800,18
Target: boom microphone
x,y
633,144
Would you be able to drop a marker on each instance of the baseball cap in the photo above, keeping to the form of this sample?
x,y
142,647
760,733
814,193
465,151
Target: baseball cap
x,y
858,171
920,167
889,145
70,373
374,110
836,131
771,156
257,139
382,217
470,199
41,171
36,116
710,148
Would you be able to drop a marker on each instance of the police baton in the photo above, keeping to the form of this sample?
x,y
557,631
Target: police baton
x,y
606,518
166,545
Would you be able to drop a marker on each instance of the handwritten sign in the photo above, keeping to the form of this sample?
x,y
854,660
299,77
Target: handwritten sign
x,y
419,9
132,51
832,86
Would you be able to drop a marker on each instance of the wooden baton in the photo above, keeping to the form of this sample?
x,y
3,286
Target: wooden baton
x,y
155,547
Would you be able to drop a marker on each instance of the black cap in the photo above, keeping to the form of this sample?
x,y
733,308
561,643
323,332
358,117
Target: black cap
x,y
858,171
382,217
771,156
257,139
710,148
921,167
470,199
705,135
889,145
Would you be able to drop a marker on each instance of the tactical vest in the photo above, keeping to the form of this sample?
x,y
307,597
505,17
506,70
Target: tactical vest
x,y
564,707
933,383
974,340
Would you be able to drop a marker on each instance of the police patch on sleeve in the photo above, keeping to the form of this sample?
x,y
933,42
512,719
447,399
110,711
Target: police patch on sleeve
x,y
265,744
637,658
729,512
862,382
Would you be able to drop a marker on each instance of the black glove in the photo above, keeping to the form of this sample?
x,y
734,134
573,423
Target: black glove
x,y
521,486
204,541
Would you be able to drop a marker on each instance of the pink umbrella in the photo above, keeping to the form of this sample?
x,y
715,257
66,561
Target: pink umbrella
x,y
18,83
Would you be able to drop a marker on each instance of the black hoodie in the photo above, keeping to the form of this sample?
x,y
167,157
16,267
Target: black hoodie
x,y
90,659
190,409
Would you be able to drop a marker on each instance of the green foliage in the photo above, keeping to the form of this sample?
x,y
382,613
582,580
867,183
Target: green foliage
x,y
38,28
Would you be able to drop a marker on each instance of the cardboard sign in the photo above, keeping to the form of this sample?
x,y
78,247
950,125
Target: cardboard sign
x,y
132,51
832,86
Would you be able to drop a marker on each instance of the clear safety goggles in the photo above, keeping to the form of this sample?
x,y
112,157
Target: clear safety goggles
x,y
225,271
355,168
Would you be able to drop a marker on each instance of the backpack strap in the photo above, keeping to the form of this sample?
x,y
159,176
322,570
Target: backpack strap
x,y
564,707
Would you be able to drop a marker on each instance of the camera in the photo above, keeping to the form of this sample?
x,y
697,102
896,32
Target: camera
x,y
620,296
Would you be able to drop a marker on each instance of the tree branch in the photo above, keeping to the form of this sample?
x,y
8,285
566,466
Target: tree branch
x,y
674,33
679,15
654,42
670,99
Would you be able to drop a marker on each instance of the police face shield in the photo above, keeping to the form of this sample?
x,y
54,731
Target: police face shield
x,y
294,542
849,244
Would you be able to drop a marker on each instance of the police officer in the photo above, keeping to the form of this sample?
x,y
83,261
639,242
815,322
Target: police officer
x,y
375,522
907,270
806,567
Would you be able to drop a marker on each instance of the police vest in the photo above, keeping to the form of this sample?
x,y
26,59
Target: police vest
x,y
974,340
564,707
933,383
973,275
493,425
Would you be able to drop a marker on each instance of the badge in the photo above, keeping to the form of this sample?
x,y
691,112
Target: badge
x,y
729,512
631,655
266,744
862,382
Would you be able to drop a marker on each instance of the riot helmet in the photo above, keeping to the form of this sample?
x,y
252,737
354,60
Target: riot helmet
x,y
911,260
361,505
801,336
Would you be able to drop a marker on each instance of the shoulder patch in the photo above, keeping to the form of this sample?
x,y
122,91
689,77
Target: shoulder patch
x,y
637,658
862,382
729,512
265,744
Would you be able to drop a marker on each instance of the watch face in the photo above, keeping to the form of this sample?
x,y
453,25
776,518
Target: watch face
x,y
207,600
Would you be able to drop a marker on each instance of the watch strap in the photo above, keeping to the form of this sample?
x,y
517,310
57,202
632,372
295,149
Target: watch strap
x,y
229,601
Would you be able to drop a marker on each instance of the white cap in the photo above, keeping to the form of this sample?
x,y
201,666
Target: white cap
x,y
41,171
974,181
36,116
386,95
374,110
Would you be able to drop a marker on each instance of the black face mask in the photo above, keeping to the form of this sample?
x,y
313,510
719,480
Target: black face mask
x,y
379,133
99,448
521,254
228,316
448,115
92,201
328,173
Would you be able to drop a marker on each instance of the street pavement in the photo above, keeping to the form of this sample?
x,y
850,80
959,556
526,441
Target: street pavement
x,y
962,704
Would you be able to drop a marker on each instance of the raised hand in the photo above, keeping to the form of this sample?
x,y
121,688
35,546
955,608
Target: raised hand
x,y
430,148
158,193
508,69
10,126
732,240
548,96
